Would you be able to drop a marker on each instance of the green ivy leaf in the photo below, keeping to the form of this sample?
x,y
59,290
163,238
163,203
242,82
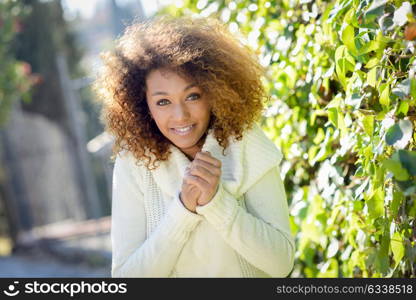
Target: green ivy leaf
x,y
385,94
373,61
344,63
398,199
375,204
333,116
397,247
348,38
368,47
368,123
408,187
373,12
372,77
386,22
403,108
413,88
396,168
402,90
399,134
382,258
319,137
408,160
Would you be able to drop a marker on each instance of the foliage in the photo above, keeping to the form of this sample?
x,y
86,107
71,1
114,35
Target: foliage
x,y
342,78
46,36
14,74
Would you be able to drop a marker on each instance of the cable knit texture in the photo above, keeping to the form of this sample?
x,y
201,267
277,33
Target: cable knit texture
x,y
242,232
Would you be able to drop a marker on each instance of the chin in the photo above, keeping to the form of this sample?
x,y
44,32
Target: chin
x,y
185,145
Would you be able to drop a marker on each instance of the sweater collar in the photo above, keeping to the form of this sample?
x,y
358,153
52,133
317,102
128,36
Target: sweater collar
x,y
254,151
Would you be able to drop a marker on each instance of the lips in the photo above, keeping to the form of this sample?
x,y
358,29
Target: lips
x,y
183,130
181,127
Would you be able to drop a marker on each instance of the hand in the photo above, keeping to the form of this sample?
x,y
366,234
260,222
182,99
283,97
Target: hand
x,y
189,194
205,174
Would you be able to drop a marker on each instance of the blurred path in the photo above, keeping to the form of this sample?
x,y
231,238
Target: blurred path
x,y
71,249
47,266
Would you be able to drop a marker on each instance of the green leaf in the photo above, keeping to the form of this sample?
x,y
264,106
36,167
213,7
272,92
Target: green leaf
x,y
333,116
372,77
403,108
319,137
382,258
385,95
368,47
402,90
399,134
413,88
397,247
376,204
344,63
408,160
374,11
368,123
372,62
329,269
396,168
408,187
348,38
386,22
395,204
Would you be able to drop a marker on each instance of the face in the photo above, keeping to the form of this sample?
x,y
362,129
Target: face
x,y
179,108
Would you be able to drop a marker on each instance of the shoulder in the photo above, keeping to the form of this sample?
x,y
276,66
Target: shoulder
x,y
257,156
126,163
258,146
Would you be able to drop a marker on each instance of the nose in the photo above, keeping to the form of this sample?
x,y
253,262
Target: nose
x,y
181,113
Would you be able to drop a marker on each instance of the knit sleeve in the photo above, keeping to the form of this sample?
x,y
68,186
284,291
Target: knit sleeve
x,y
133,254
262,233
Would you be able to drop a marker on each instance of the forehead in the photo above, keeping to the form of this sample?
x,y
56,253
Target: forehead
x,y
166,79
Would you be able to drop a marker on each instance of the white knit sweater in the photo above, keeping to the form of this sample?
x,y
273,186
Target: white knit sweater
x,y
243,232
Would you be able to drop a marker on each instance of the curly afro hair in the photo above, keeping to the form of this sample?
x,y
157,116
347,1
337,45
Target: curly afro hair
x,y
227,71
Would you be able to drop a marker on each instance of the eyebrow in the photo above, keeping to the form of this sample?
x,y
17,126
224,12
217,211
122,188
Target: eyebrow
x,y
164,93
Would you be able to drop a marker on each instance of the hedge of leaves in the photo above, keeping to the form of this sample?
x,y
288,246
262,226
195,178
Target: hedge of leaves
x,y
342,79
14,75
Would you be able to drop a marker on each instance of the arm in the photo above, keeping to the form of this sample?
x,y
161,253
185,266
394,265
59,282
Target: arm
x,y
133,254
262,233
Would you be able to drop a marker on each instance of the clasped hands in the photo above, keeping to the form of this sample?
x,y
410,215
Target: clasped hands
x,y
201,180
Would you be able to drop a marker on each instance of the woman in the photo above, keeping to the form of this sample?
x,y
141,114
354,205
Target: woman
x,y
196,184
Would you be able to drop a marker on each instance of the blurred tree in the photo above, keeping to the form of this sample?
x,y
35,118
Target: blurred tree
x,y
14,74
46,35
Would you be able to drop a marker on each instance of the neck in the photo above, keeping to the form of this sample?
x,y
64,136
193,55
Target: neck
x,y
190,154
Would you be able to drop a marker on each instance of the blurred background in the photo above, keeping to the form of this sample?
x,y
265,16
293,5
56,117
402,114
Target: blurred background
x,y
341,76
55,172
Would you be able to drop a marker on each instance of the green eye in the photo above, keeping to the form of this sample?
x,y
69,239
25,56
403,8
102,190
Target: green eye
x,y
194,96
161,101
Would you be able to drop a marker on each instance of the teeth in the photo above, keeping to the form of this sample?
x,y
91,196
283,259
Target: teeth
x,y
183,129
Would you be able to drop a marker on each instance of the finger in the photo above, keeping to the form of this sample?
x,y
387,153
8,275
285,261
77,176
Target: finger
x,y
211,168
208,158
192,189
196,180
202,172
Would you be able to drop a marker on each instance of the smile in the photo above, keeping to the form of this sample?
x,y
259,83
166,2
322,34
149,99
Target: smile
x,y
184,130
